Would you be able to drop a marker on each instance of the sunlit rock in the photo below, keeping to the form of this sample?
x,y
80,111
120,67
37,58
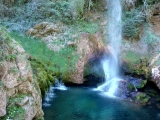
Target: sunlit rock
x,y
156,75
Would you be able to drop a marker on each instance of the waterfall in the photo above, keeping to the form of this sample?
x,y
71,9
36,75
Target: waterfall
x,y
59,85
48,96
111,64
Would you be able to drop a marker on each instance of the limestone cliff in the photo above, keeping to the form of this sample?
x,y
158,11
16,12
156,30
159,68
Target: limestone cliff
x,y
20,96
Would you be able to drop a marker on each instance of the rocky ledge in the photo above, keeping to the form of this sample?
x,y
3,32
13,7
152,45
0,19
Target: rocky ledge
x,y
20,96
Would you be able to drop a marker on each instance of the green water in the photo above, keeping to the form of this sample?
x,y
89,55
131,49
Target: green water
x,y
86,104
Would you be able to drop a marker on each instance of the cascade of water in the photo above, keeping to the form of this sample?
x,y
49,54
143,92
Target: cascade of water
x,y
48,96
135,88
59,85
110,65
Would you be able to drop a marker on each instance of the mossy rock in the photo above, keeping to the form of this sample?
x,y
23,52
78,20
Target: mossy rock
x,y
131,86
143,83
43,75
137,67
65,77
50,78
14,111
142,98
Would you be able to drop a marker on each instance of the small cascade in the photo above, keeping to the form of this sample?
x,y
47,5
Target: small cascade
x,y
59,85
135,88
48,96
111,64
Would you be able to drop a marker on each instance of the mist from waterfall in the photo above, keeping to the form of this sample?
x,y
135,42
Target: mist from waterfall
x,y
111,64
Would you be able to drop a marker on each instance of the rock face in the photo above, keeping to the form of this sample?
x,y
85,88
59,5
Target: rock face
x,y
88,46
156,75
155,19
18,90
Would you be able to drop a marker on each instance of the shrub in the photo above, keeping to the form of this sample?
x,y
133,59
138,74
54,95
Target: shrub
x,y
132,22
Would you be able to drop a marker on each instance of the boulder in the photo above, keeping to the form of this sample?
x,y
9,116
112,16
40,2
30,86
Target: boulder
x,y
156,75
43,29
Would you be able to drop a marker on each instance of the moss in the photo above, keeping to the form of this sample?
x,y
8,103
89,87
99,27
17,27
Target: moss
x,y
131,86
143,83
136,64
50,78
142,98
14,111
44,77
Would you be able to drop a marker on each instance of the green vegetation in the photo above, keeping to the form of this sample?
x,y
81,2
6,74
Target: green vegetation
x,y
11,57
132,22
131,86
14,111
39,51
84,26
142,98
47,63
132,57
143,83
149,37
21,15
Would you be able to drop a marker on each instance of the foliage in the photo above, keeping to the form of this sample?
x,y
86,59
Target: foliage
x,y
132,22
132,57
142,98
143,83
11,57
78,7
131,86
14,111
46,60
43,76
149,37
21,17
83,26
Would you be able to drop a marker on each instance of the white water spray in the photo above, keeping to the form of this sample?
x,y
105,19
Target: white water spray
x,y
59,85
49,96
110,65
